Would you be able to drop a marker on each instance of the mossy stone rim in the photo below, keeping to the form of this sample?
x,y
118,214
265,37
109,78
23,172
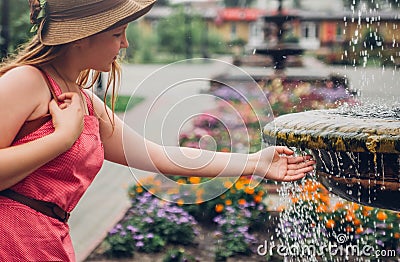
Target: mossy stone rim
x,y
325,129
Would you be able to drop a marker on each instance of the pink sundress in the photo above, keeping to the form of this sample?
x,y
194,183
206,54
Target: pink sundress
x,y
27,235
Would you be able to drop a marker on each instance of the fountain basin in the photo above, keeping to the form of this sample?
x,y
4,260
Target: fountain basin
x,y
358,155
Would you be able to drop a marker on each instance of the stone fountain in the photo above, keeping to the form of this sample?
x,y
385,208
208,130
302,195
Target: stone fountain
x,y
278,49
357,150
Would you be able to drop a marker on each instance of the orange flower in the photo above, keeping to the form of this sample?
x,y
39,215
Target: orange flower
x,y
359,230
139,189
181,181
219,208
321,208
349,229
365,213
180,202
249,190
349,217
398,215
381,215
368,208
242,201
338,205
325,199
356,222
257,199
228,184
239,185
280,208
310,186
194,180
228,202
225,149
330,223
397,235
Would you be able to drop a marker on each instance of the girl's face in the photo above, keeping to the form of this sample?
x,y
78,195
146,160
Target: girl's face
x,y
102,49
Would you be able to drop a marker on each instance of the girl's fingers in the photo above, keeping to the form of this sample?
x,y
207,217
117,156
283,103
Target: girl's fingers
x,y
295,176
69,97
304,170
299,159
63,106
301,165
53,106
283,150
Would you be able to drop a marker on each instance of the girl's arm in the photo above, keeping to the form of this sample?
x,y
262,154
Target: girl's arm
x,y
127,147
21,92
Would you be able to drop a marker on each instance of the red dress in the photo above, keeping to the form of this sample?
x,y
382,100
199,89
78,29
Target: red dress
x,y
27,235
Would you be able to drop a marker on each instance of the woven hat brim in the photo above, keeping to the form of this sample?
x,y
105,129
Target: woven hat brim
x,y
56,33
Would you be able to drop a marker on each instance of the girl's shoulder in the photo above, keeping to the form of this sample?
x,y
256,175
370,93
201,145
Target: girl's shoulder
x,y
24,79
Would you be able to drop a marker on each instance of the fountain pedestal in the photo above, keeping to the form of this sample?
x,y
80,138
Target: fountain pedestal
x,y
358,156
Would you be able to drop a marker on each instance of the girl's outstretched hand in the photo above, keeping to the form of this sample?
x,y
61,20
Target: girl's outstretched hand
x,y
278,163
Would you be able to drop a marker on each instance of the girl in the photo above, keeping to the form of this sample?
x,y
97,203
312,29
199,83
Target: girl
x,y
55,136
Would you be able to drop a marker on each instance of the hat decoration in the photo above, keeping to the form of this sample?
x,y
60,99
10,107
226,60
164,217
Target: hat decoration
x,y
37,13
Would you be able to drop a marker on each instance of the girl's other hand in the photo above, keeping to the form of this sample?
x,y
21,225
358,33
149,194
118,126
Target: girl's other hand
x,y
68,116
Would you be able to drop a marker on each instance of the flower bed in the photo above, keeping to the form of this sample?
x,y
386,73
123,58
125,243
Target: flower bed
x,y
153,225
350,229
235,223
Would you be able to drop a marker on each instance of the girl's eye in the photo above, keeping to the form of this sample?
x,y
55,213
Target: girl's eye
x,y
117,35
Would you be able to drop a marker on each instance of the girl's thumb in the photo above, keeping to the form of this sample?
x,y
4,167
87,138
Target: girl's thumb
x,y
53,106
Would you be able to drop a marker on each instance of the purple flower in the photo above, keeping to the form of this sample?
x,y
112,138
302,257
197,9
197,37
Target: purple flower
x,y
148,220
230,209
368,231
183,220
243,229
138,237
381,225
150,235
132,229
139,244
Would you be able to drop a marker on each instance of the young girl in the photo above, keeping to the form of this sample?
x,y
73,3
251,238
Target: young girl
x,y
55,136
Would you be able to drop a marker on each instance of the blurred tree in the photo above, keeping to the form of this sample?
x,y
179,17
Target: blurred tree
x,y
174,32
4,28
19,25
297,4
162,2
238,3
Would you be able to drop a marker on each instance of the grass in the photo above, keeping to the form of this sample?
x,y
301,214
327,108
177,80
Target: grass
x,y
124,103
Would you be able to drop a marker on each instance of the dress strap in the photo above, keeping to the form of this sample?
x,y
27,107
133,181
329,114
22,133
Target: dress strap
x,y
51,84
89,102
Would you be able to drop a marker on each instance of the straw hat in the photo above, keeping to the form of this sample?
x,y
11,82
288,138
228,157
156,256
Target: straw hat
x,y
61,22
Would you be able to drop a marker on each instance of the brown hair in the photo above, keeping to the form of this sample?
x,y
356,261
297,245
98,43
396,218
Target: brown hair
x,y
34,53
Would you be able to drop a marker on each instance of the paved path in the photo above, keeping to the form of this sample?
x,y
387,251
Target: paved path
x,y
106,200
